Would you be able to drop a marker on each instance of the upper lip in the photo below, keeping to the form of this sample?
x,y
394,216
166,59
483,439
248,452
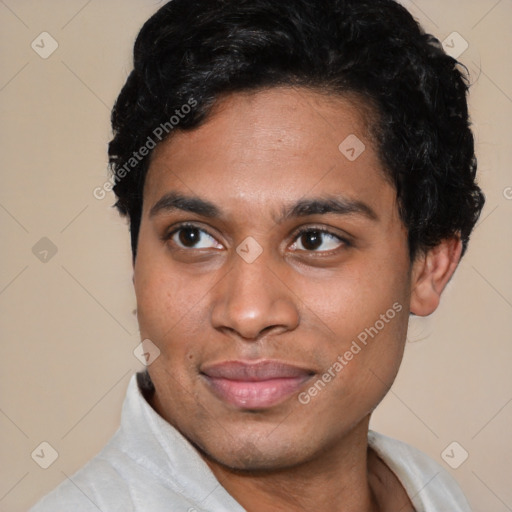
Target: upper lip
x,y
255,371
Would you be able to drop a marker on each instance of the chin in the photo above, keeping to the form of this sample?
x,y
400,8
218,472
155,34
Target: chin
x,y
245,455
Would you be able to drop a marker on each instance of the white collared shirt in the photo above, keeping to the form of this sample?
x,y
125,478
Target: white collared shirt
x,y
148,466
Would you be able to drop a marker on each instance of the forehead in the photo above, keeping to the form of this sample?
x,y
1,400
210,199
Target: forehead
x,y
272,146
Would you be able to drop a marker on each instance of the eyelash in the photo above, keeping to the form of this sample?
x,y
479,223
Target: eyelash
x,y
169,234
296,236
304,230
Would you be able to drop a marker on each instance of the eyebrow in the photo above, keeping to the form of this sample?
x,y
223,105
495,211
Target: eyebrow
x,y
324,205
174,201
304,207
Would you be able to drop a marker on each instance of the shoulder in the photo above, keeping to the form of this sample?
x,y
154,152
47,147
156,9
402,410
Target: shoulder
x,y
428,485
114,481
142,467
96,486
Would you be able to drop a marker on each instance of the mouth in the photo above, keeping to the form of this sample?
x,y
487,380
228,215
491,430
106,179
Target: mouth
x,y
255,386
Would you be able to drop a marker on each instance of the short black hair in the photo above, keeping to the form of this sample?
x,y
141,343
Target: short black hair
x,y
192,52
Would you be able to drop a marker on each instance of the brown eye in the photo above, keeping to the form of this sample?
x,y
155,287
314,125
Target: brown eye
x,y
190,237
311,240
316,240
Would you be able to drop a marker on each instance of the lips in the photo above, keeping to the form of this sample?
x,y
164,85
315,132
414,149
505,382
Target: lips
x,y
254,385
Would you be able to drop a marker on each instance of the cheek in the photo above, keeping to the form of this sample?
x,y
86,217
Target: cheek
x,y
364,368
172,309
353,298
164,298
365,310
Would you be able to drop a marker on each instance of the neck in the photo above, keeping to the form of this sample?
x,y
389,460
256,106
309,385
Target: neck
x,y
336,480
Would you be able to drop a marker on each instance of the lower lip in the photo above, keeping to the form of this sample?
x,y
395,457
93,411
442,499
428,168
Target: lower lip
x,y
255,394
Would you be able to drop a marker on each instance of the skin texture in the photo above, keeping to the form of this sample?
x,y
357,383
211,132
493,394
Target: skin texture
x,y
257,154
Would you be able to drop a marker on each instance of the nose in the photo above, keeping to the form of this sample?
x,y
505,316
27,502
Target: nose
x,y
252,300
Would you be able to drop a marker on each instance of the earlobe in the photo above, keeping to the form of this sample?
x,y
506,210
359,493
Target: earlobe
x,y
431,273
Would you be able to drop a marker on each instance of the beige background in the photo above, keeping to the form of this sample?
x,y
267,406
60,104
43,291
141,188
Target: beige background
x,y
67,324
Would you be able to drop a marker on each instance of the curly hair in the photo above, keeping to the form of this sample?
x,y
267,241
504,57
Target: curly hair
x,y
190,53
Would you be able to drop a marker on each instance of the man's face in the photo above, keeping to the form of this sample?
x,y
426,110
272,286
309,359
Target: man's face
x,y
246,327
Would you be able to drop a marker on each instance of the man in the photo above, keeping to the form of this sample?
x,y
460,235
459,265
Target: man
x,y
299,178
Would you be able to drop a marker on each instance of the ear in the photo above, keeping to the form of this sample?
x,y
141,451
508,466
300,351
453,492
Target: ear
x,y
431,272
